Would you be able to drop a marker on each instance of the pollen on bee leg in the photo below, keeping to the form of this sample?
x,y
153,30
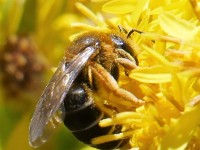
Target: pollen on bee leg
x,y
126,98
124,54
90,75
104,77
126,63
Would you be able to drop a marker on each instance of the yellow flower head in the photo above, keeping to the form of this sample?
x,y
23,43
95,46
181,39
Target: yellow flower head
x,y
166,40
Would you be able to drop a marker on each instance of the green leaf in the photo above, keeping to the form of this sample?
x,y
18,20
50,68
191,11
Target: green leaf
x,y
28,21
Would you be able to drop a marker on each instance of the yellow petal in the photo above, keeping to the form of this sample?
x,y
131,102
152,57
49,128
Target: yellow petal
x,y
139,8
125,117
119,6
177,27
180,133
156,74
158,57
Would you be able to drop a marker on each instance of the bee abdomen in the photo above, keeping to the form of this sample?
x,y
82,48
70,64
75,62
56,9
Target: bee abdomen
x,y
82,118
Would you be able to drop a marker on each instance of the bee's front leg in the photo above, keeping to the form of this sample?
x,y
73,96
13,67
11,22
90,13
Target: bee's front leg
x,y
126,63
125,59
114,93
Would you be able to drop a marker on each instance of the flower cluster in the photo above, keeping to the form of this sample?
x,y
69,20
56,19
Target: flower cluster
x,y
167,78
165,37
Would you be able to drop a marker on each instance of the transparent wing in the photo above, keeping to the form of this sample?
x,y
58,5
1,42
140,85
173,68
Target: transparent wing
x,y
50,101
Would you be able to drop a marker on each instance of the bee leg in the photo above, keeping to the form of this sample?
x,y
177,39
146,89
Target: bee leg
x,y
126,63
132,31
90,76
124,54
126,60
110,85
122,29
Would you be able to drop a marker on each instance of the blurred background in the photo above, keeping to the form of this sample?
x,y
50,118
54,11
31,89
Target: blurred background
x,y
33,37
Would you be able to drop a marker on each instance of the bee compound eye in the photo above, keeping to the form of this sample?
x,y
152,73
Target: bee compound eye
x,y
120,43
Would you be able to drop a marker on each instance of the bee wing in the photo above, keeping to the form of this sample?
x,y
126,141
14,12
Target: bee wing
x,y
53,96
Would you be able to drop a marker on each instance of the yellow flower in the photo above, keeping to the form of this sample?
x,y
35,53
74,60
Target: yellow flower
x,y
167,78
167,46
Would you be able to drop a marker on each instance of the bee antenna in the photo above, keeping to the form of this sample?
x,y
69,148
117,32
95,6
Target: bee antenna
x,y
132,31
122,29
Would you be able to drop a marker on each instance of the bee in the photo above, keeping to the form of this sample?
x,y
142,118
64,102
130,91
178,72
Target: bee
x,y
92,58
